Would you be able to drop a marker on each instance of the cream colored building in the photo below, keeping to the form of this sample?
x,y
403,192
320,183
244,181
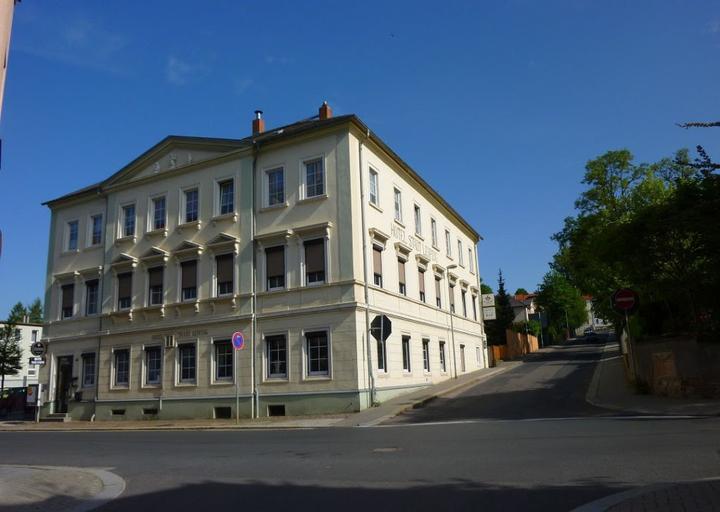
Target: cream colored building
x,y
298,237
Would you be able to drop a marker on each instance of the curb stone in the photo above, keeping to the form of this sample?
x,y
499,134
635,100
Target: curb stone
x,y
605,503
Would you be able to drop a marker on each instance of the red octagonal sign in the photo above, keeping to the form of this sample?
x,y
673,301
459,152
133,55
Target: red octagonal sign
x,y
625,300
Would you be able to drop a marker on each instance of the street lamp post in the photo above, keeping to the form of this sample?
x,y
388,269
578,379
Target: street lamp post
x,y
452,327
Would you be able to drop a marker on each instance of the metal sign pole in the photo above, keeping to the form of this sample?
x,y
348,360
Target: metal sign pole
x,y
237,387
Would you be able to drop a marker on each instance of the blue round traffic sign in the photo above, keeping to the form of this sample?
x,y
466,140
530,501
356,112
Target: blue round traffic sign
x,y
238,340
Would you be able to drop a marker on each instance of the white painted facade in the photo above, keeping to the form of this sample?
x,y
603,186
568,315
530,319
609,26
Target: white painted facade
x,y
319,312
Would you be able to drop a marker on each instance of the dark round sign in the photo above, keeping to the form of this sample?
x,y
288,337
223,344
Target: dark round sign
x,y
37,348
625,300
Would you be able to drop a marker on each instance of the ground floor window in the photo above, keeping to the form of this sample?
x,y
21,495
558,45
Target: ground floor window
x,y
406,353
318,353
153,365
121,362
88,370
426,354
462,358
276,356
223,360
443,366
381,356
187,355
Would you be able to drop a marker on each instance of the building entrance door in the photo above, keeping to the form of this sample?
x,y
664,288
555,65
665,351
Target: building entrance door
x,y
64,381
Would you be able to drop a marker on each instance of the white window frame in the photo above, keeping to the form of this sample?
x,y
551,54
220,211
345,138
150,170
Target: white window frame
x,y
284,245
86,302
144,367
433,232
303,176
461,260
425,344
151,213
266,186
471,265
179,279
303,266
215,293
409,352
217,199
121,221
442,356
183,205
68,231
214,380
305,355
417,219
397,205
448,244
266,377
116,289
372,172
148,294
89,230
60,300
113,369
178,361
83,373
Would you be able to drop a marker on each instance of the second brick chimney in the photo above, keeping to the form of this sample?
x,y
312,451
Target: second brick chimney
x,y
258,124
325,111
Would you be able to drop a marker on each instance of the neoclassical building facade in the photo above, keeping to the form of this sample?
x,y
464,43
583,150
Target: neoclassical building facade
x,y
297,237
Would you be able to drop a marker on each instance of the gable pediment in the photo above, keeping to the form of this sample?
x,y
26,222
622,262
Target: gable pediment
x,y
171,154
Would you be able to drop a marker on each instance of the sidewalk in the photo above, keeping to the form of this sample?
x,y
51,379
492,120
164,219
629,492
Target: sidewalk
x,y
57,488
695,496
365,418
609,390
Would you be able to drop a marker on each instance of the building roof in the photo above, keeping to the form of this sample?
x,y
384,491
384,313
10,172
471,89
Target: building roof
x,y
268,136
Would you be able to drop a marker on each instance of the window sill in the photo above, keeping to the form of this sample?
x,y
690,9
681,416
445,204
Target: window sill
x,y
119,388
151,386
375,206
419,236
399,223
232,216
162,232
273,207
125,239
69,252
407,373
315,284
222,383
313,199
276,380
186,385
315,378
434,246
196,225
92,247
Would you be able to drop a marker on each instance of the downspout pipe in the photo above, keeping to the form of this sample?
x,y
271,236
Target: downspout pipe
x,y
254,399
371,377
101,294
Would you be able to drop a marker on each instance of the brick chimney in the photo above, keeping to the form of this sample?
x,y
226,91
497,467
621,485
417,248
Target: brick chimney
x,y
325,111
258,125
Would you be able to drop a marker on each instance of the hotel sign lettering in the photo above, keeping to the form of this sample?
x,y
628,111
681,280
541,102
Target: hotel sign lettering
x,y
417,245
180,334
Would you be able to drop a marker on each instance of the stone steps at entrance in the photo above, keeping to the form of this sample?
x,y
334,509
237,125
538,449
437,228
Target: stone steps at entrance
x,y
59,417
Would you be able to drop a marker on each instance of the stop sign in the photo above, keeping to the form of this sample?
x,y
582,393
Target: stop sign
x,y
625,300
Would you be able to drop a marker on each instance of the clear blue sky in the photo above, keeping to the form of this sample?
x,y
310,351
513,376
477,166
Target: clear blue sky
x,y
498,105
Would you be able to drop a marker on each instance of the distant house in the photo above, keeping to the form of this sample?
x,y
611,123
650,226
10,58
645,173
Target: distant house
x,y
592,319
523,306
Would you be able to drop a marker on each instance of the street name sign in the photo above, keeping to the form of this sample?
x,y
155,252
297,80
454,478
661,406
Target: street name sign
x,y
37,361
238,340
489,313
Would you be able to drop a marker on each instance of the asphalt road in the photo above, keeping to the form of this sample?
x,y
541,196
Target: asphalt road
x,y
550,384
485,463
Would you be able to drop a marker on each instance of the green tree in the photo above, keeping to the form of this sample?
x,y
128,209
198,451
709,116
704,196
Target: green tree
x,y
485,289
504,314
35,311
17,313
521,291
10,353
562,302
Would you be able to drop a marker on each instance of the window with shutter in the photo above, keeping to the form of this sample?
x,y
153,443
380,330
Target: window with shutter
x,y
189,280
377,266
275,267
124,283
421,284
401,277
315,261
68,291
225,274
155,286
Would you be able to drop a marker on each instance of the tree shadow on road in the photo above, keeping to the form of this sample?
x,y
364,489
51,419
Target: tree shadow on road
x,y
458,495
